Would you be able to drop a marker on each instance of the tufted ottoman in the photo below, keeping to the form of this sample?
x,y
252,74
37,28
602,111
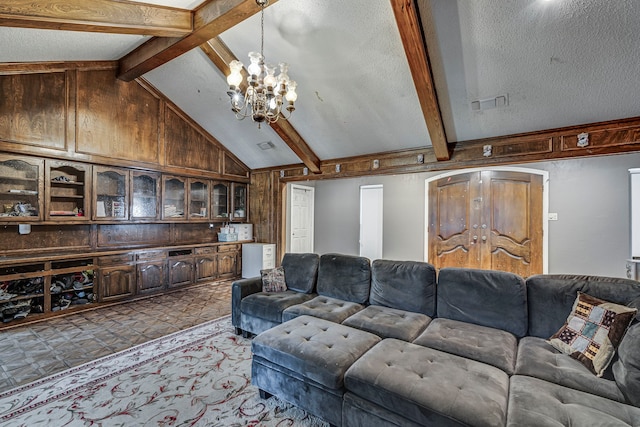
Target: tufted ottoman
x,y
399,383
303,361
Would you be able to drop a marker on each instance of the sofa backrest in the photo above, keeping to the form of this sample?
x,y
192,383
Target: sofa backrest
x,y
496,299
301,271
404,285
345,277
626,370
551,297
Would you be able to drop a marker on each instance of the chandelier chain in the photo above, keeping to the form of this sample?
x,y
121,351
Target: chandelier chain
x,y
262,31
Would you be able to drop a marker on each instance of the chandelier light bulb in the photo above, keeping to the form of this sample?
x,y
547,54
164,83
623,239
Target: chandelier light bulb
x,y
255,69
234,79
270,78
291,95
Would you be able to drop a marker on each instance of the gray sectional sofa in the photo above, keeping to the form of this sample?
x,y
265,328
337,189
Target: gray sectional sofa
x,y
385,343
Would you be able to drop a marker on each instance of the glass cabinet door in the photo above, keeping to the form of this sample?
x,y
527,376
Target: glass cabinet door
x,y
239,201
111,193
198,199
173,197
67,188
145,192
220,201
20,189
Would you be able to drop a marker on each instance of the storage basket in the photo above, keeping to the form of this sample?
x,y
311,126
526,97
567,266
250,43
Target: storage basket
x,y
227,237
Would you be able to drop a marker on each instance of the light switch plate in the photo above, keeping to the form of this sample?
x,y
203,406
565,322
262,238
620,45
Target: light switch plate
x,y
553,216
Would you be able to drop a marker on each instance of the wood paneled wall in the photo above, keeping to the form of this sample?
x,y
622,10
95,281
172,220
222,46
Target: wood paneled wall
x,y
66,238
81,111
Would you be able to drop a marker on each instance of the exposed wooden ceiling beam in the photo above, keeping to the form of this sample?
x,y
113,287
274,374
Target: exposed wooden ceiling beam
x,y
220,54
103,16
210,20
417,55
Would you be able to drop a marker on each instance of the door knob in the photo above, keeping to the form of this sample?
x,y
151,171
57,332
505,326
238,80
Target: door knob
x,y
484,239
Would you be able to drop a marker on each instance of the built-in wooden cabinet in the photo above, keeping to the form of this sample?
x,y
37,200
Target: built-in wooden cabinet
x,y
21,188
174,196
145,195
220,206
117,282
35,189
151,271
110,193
181,267
199,205
238,201
228,261
67,190
45,287
40,289
206,263
23,290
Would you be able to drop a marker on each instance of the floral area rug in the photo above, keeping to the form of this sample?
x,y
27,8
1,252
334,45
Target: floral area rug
x,y
197,377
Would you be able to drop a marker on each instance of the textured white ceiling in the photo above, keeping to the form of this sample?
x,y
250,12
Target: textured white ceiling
x,y
31,45
560,62
355,92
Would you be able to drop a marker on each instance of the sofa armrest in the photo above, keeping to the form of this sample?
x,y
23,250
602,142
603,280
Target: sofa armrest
x,y
239,290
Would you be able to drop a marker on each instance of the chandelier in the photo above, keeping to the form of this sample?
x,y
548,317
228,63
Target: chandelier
x,y
266,93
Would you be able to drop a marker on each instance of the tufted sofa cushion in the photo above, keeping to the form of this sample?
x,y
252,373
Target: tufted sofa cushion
x,y
335,310
488,345
430,387
315,348
389,322
534,402
269,305
485,297
537,358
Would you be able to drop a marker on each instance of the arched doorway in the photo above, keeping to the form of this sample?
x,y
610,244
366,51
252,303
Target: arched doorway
x,y
489,219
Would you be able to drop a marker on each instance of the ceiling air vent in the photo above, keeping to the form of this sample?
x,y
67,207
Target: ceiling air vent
x,y
266,145
490,103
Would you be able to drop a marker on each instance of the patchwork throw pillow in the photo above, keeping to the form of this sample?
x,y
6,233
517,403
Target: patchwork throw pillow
x,y
593,331
273,280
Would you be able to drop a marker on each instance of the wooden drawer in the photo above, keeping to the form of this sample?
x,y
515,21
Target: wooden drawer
x,y
207,250
149,255
228,248
115,259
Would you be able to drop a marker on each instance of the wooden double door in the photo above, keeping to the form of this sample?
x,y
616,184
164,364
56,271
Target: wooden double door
x,y
488,220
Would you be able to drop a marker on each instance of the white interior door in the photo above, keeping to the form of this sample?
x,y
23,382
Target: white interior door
x,y
371,221
301,219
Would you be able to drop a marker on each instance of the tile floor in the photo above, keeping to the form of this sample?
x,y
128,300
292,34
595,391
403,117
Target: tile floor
x,y
34,351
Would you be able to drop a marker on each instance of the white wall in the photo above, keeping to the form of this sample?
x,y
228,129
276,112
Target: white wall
x,y
590,196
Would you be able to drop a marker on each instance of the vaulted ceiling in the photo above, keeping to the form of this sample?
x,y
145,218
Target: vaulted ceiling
x,y
373,76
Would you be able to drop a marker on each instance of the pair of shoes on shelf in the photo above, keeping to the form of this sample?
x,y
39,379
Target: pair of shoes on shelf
x,y
15,310
57,287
